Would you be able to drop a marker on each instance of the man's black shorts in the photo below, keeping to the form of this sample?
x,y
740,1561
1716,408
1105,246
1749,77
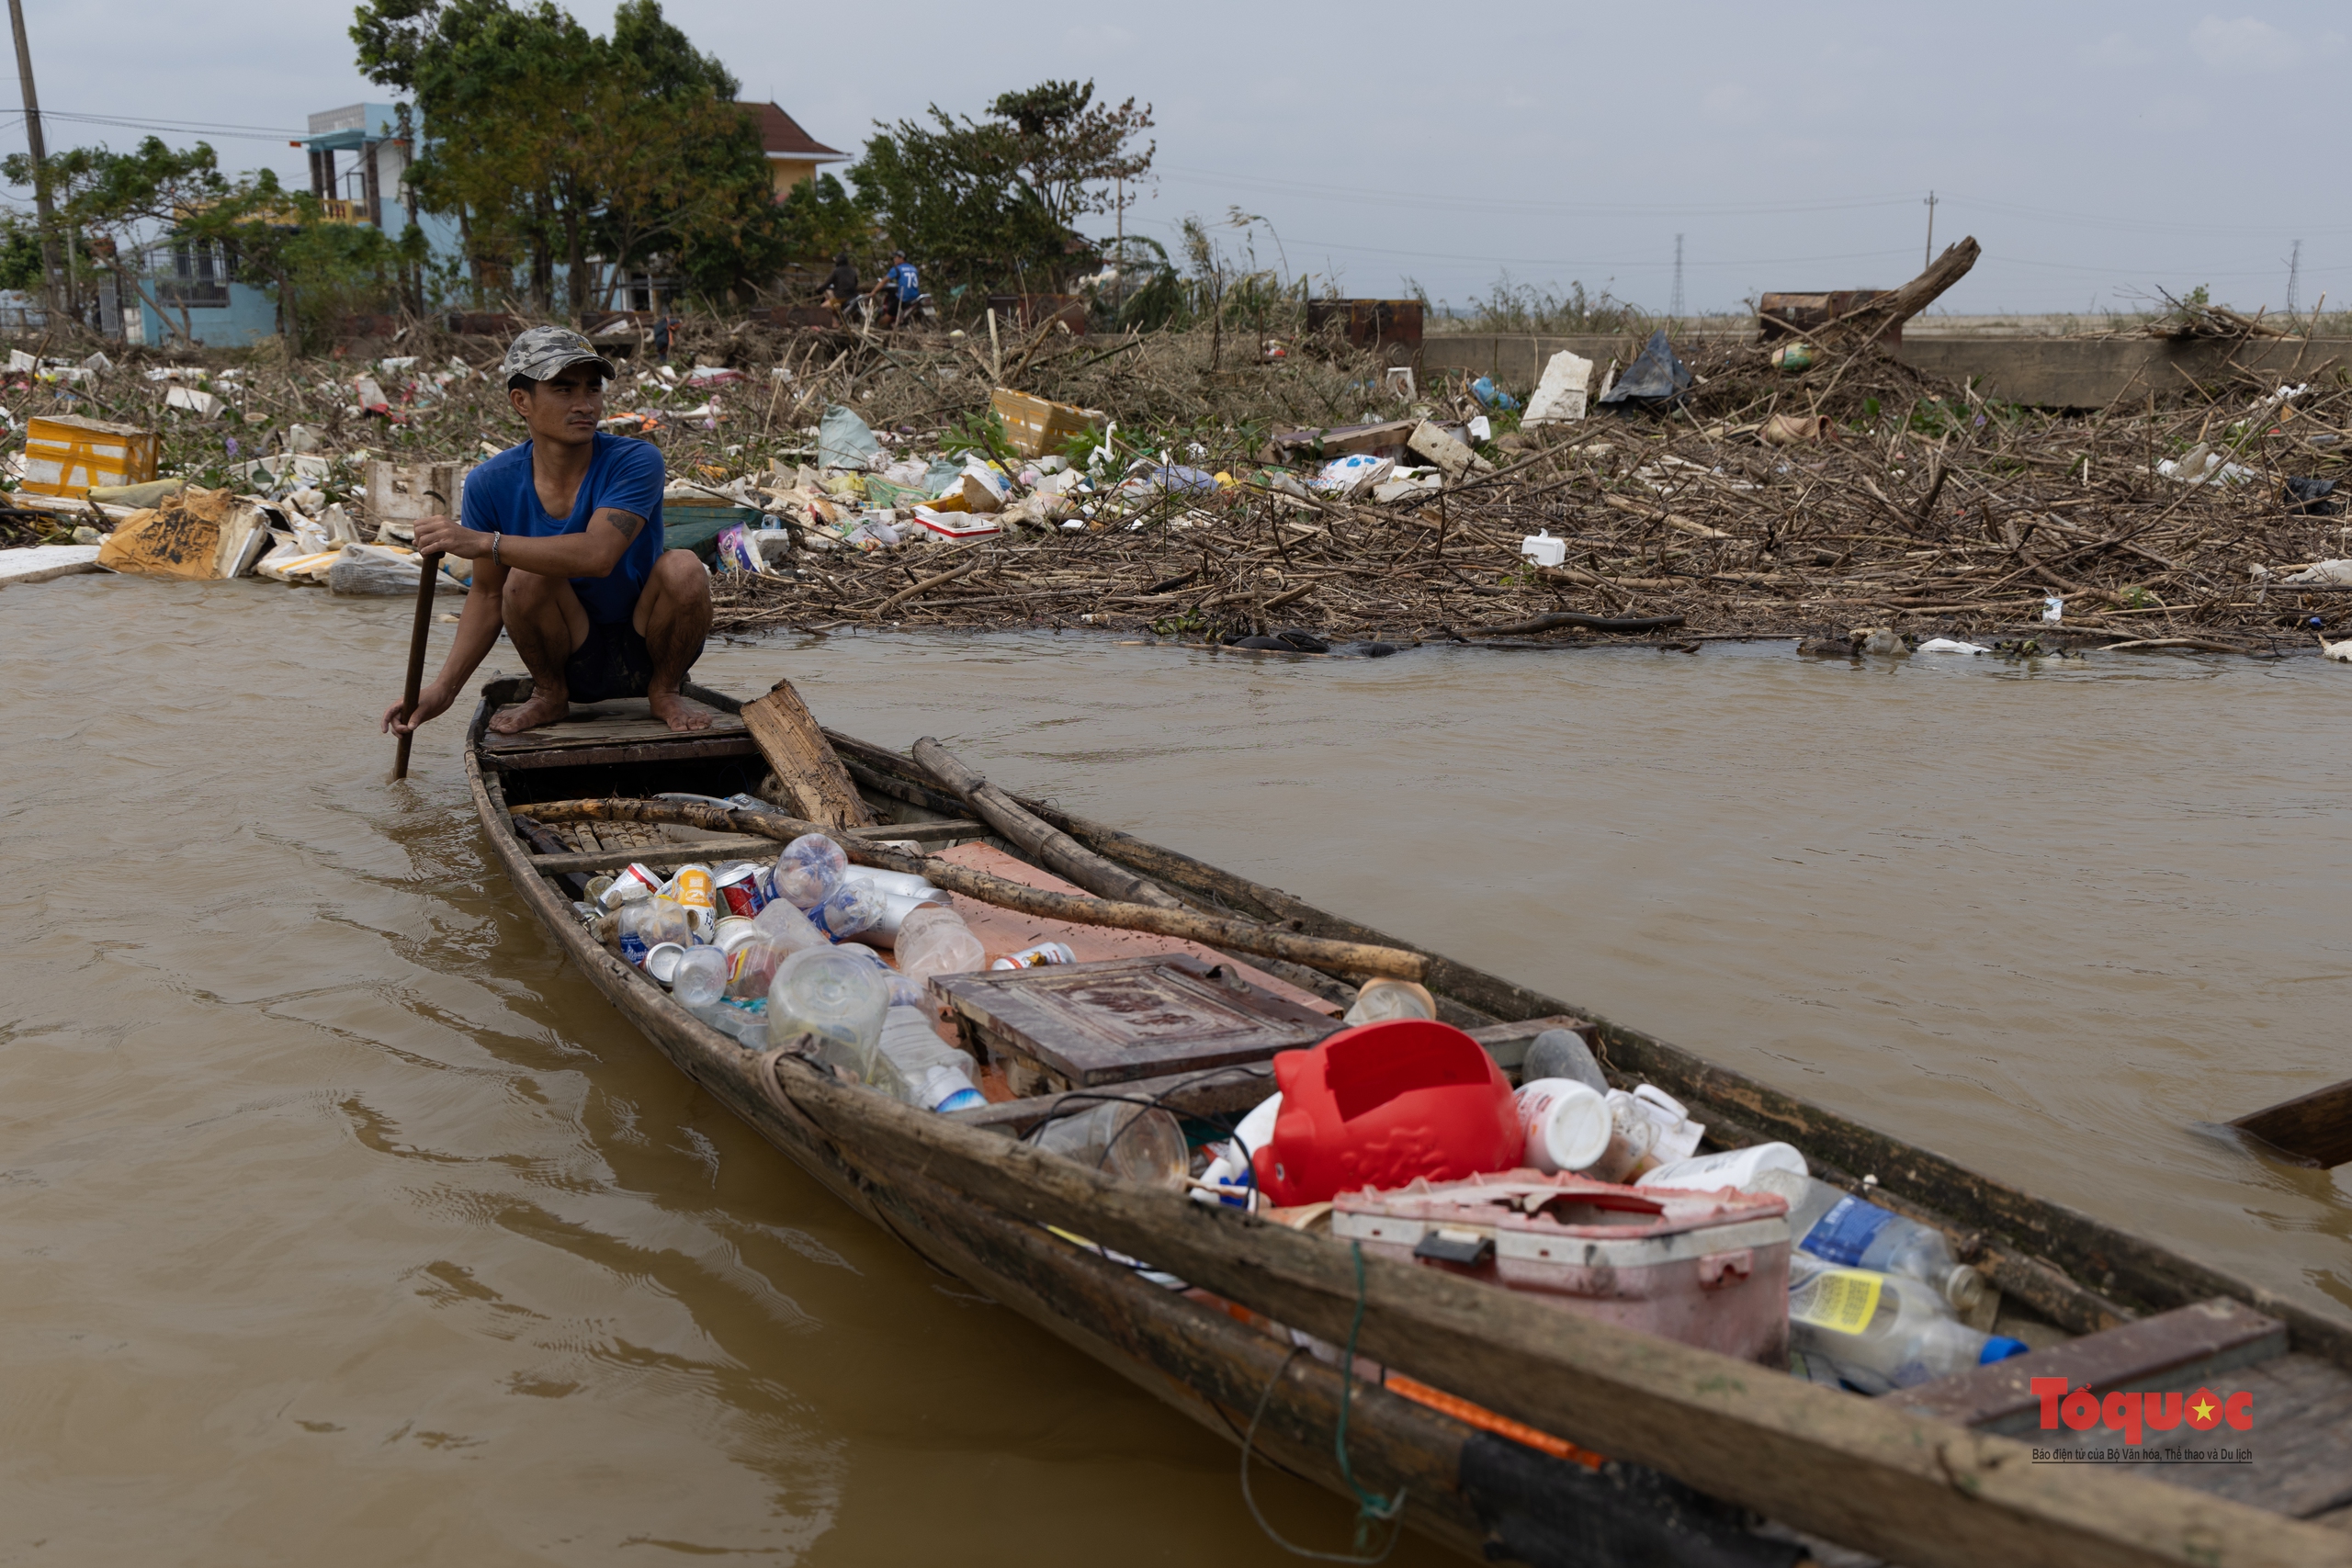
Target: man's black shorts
x,y
613,662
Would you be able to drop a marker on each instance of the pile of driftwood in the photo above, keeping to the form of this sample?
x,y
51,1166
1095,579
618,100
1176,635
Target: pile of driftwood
x,y
1924,509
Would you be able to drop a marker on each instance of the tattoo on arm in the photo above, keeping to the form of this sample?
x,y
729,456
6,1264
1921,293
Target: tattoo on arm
x,y
626,522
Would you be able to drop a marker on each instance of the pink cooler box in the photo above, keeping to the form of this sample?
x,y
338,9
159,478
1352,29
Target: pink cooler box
x,y
1706,1268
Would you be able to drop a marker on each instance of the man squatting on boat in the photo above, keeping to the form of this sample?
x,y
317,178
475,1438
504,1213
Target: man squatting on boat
x,y
565,535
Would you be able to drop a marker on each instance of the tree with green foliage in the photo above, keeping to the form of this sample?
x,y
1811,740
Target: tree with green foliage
x,y
21,267
552,146
110,205
315,269
820,218
1073,151
987,202
687,177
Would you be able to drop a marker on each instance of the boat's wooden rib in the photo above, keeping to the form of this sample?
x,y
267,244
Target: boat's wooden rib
x,y
1693,1438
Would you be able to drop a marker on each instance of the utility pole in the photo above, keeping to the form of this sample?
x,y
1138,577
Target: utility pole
x,y
2294,275
1674,309
1928,255
34,144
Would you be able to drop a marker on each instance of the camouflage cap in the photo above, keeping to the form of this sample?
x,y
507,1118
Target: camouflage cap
x,y
544,352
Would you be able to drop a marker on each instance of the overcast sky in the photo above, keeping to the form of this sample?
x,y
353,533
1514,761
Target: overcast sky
x,y
2097,152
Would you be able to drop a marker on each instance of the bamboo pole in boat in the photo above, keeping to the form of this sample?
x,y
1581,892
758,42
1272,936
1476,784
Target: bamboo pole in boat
x,y
1056,850
1233,936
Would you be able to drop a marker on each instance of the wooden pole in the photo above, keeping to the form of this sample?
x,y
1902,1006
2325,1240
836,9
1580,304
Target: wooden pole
x,y
1055,849
43,201
431,565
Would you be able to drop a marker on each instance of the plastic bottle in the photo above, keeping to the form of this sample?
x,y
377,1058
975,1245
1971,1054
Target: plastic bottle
x,y
1138,1142
1568,1125
700,978
748,1028
905,992
938,1074
782,924
1631,1137
1880,1332
1561,1054
1383,1000
934,940
1839,1228
1747,1169
627,886
810,868
751,968
849,908
648,923
629,928
1678,1136
824,991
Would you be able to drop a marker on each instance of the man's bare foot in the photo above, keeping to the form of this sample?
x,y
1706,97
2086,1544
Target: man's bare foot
x,y
541,709
677,712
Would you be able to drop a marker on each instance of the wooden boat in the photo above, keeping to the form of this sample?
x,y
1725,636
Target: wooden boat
x,y
1708,1459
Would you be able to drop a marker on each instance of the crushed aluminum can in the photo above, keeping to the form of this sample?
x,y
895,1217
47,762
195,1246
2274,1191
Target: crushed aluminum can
x,y
740,892
1045,952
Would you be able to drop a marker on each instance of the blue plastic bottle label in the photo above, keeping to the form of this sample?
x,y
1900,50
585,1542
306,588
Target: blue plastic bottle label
x,y
1845,1231
633,948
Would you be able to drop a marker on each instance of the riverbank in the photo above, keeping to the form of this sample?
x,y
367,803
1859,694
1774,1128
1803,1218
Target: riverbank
x,y
1914,508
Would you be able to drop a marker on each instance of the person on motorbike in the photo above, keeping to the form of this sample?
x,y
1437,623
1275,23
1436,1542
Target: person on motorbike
x,y
897,290
840,288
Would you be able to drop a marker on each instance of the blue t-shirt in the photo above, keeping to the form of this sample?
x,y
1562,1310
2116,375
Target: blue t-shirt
x,y
622,473
901,278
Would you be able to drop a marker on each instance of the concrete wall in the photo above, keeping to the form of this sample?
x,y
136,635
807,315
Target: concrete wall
x,y
2078,373
248,319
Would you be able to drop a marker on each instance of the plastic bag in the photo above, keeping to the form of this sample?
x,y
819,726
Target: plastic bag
x,y
1654,376
2310,497
845,441
739,552
372,569
1353,475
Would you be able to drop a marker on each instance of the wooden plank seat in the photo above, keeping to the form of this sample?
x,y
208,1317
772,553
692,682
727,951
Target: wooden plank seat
x,y
622,730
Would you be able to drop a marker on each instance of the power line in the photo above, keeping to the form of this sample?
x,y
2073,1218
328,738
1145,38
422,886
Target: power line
x,y
1558,260
247,133
1594,210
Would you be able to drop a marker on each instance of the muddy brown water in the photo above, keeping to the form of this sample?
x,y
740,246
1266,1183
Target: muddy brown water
x,y
339,1220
